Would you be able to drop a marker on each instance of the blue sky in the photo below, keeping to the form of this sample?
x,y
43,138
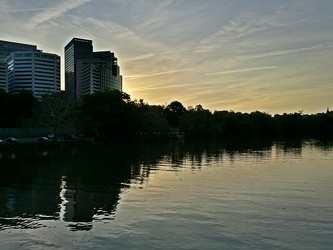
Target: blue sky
x,y
243,55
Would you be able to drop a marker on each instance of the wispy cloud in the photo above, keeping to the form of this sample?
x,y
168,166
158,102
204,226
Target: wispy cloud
x,y
154,20
57,11
249,23
25,10
140,57
233,30
201,86
160,87
242,70
160,73
275,53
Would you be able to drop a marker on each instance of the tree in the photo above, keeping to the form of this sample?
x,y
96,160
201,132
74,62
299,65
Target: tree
x,y
110,113
198,124
150,120
174,112
15,108
54,111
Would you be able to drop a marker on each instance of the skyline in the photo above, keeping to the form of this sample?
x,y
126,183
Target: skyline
x,y
238,55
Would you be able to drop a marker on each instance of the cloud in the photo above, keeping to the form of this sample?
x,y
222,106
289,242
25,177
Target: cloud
x,y
57,11
25,10
160,87
242,70
275,53
140,57
249,23
193,86
159,73
233,30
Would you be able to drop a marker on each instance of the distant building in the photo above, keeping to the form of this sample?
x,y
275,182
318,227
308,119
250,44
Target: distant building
x,y
3,76
100,73
34,71
24,67
88,72
74,50
6,48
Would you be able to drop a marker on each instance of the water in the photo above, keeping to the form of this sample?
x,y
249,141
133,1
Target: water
x,y
169,196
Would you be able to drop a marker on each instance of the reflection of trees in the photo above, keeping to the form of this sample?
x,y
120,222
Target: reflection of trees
x,y
291,149
199,153
29,190
84,183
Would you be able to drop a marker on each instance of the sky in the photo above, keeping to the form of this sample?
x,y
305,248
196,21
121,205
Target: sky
x,y
243,55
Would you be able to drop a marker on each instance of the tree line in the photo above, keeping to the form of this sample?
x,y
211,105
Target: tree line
x,y
112,115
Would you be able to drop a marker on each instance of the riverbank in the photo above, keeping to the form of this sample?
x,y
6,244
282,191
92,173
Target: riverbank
x,y
45,144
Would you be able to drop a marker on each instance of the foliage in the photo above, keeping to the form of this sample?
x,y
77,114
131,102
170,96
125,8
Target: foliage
x,y
114,116
198,123
54,111
174,112
14,109
150,120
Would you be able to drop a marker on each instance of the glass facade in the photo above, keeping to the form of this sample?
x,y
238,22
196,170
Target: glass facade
x,y
87,72
6,48
3,76
69,72
33,71
76,49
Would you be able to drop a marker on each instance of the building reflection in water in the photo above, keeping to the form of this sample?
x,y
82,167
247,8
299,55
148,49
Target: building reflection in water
x,y
82,204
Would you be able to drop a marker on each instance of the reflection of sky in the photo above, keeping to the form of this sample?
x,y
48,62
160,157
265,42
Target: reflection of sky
x,y
273,56
63,199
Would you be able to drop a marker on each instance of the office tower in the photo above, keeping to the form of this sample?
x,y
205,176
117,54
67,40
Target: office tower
x,y
87,72
76,49
100,73
3,76
34,71
6,48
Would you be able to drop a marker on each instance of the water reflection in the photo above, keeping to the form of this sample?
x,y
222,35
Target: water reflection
x,y
80,185
83,186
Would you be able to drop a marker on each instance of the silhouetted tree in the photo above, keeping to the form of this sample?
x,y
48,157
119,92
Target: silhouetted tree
x,y
290,125
110,113
174,112
15,108
262,124
54,111
150,120
197,123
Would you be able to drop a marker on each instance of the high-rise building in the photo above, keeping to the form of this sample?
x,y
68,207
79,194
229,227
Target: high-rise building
x,y
3,76
100,73
87,72
6,48
76,49
34,71
24,67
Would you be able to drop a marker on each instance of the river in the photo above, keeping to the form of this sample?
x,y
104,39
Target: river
x,y
241,195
